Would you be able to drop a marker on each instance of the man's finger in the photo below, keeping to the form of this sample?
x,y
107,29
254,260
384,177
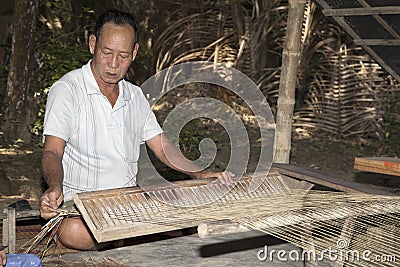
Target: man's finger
x,y
48,214
53,200
46,211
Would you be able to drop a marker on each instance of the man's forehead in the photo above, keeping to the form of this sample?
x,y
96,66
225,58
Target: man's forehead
x,y
110,25
110,28
111,38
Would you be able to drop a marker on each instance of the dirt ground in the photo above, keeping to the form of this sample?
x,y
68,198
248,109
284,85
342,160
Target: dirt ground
x,y
20,176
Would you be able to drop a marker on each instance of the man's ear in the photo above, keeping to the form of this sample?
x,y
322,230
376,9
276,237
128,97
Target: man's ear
x,y
135,50
92,43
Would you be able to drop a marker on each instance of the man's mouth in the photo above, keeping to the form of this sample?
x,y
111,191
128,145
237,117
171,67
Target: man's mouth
x,y
111,74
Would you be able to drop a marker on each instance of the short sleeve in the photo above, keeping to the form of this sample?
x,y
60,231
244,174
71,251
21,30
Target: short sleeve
x,y
58,119
150,126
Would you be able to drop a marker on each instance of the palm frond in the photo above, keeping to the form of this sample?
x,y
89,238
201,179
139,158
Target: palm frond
x,y
344,95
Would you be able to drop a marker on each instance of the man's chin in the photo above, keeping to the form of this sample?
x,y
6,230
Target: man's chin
x,y
112,80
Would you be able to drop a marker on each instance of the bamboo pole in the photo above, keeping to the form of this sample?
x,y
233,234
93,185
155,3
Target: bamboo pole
x,y
286,98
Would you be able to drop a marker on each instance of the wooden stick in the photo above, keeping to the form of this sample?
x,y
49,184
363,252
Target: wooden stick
x,y
209,229
328,180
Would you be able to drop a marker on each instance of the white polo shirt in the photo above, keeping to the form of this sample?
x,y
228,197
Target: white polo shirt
x,y
102,142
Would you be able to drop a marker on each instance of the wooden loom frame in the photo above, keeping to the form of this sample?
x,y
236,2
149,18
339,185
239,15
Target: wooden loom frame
x,y
95,215
292,178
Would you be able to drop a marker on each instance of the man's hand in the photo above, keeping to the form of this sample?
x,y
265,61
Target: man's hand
x,y
3,257
50,201
224,177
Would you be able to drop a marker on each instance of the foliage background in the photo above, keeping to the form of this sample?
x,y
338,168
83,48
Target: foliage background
x,y
340,89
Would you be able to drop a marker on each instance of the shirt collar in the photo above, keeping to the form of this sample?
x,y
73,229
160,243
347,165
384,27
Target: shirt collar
x,y
93,88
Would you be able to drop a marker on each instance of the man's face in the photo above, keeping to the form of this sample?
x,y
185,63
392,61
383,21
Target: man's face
x,y
113,52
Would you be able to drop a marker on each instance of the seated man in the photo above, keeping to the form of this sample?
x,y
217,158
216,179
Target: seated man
x,y
94,124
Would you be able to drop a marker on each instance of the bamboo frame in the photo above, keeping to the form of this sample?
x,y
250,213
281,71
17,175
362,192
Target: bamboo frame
x,y
9,217
363,11
376,12
375,42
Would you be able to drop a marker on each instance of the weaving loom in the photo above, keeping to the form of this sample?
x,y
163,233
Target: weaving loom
x,y
312,220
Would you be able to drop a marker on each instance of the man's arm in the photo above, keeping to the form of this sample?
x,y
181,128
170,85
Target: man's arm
x,y
3,257
170,155
53,174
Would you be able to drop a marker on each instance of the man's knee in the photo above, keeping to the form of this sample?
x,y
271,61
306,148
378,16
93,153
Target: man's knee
x,y
74,234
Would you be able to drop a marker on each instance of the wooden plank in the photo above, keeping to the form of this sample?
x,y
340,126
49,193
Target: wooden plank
x,y
327,180
376,42
27,214
362,11
24,214
384,165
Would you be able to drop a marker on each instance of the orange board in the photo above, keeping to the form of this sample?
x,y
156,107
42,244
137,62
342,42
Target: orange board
x,y
384,165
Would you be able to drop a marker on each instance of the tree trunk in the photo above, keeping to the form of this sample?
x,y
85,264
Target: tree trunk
x,y
290,63
20,103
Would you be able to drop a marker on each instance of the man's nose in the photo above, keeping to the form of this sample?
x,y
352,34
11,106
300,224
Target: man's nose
x,y
114,62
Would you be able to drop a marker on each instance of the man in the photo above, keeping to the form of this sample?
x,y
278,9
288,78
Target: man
x,y
94,124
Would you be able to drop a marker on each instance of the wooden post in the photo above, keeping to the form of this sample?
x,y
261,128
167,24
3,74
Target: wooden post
x,y
5,229
9,232
286,98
